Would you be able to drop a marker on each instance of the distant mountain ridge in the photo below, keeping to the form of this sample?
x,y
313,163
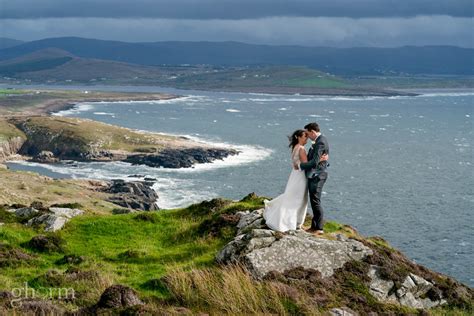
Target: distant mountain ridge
x,y
442,60
6,42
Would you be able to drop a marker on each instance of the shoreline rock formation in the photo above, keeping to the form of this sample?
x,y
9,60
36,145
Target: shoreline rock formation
x,y
53,139
389,276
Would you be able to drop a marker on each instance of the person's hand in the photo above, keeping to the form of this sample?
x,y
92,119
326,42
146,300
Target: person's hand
x,y
324,157
296,166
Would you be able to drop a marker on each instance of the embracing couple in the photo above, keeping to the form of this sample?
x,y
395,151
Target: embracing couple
x,y
288,210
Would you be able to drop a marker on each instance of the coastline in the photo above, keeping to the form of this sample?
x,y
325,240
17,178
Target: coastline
x,y
50,101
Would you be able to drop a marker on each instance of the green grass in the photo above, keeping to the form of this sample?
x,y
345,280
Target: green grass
x,y
128,249
168,257
5,92
8,131
52,133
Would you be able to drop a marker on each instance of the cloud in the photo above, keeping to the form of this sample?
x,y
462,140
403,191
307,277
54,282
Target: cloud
x,y
230,9
322,31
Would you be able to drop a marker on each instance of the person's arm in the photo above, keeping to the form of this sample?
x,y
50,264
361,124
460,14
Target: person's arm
x,y
319,151
303,156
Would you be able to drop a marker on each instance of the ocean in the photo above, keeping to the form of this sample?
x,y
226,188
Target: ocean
x,y
401,167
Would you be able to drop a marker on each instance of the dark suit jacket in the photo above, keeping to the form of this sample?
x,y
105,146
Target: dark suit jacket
x,y
313,167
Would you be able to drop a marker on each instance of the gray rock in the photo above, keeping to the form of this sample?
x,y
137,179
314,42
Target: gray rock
x,y
246,218
409,294
55,219
134,195
344,311
378,287
422,286
24,212
410,300
51,222
263,250
66,212
45,157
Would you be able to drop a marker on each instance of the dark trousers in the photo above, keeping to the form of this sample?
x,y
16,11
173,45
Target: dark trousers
x,y
315,188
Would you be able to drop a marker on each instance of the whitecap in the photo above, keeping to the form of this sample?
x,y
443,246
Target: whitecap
x,y
446,94
80,107
103,113
232,110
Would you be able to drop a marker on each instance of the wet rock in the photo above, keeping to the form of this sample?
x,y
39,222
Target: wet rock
x,y
133,195
118,296
45,157
181,158
262,250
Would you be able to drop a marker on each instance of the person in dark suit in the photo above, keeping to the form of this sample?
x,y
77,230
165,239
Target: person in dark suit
x,y
316,173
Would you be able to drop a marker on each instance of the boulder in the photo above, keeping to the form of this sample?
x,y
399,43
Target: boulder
x,y
24,212
133,195
263,250
66,212
55,219
411,293
45,157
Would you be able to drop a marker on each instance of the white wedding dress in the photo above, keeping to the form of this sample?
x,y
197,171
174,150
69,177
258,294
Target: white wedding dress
x,y
288,210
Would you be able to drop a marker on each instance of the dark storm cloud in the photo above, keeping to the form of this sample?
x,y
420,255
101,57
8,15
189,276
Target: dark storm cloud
x,y
231,9
339,32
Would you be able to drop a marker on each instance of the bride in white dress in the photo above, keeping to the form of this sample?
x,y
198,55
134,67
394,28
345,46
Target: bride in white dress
x,y
288,210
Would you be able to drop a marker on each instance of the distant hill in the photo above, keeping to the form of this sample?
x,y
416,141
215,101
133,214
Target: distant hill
x,y
9,42
53,64
443,60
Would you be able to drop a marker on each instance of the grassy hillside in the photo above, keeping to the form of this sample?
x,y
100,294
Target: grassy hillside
x,y
283,77
26,187
71,134
168,257
132,249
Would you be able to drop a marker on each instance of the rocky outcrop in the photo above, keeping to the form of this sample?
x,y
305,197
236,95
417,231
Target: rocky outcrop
x,y
10,147
180,158
55,218
52,219
412,292
24,212
263,250
134,195
45,157
50,139
363,274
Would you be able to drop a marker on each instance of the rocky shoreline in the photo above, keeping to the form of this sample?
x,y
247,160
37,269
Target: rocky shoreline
x,y
51,139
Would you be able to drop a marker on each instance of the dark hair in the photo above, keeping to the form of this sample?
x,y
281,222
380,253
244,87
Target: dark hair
x,y
294,137
312,127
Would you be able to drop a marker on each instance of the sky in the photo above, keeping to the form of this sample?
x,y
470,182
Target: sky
x,y
337,23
